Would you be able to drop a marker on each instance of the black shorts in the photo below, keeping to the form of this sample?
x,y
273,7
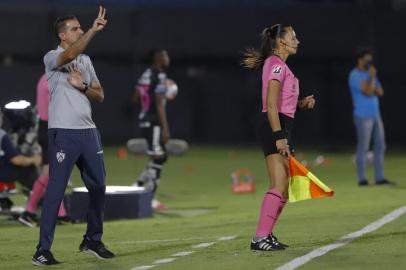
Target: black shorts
x,y
152,133
266,137
43,140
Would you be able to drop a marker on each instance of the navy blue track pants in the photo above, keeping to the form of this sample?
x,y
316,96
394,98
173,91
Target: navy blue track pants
x,y
67,147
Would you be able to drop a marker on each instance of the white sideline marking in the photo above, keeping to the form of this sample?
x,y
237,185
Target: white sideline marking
x,y
143,267
182,254
226,238
179,254
204,245
299,261
162,261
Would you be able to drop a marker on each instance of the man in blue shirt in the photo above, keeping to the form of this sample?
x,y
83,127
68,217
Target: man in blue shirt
x,y
365,91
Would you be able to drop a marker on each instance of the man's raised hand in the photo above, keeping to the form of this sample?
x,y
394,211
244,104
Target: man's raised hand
x,y
100,22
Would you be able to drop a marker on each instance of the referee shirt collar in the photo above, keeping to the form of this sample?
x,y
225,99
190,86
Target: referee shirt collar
x,y
59,48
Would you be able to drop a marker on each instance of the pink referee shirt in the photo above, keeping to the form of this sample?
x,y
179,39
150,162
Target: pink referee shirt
x,y
42,98
275,69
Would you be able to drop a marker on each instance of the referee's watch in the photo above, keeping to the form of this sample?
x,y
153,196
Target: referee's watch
x,y
86,86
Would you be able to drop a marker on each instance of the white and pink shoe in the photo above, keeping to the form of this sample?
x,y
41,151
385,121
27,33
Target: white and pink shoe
x,y
157,205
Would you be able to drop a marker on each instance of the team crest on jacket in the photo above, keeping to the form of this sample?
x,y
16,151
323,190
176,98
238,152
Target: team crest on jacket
x,y
277,69
60,156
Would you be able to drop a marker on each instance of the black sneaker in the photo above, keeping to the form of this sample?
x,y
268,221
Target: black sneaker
x,y
363,183
95,248
385,182
28,219
44,257
140,183
273,238
265,244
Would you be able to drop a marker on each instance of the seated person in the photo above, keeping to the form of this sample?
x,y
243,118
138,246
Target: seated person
x,y
15,166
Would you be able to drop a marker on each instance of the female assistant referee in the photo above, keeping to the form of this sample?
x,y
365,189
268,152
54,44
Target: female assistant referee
x,y
280,93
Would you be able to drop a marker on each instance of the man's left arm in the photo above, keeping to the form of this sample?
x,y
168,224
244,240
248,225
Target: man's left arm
x,y
379,89
160,107
93,90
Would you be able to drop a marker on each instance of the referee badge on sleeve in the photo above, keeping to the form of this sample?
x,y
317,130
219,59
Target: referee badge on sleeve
x,y
276,69
60,156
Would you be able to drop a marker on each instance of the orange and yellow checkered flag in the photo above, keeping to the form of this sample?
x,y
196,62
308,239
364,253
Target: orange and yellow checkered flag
x,y
304,185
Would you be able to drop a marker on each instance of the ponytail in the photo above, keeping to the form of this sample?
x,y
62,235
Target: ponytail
x,y
253,58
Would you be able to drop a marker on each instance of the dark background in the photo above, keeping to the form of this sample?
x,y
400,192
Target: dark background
x,y
218,100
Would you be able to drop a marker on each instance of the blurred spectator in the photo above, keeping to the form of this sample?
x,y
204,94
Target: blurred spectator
x,y
14,166
365,90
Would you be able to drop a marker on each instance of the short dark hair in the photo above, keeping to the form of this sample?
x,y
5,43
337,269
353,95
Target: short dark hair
x,y
152,53
362,51
60,24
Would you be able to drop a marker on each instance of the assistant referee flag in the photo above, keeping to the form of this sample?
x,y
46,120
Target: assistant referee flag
x,y
304,185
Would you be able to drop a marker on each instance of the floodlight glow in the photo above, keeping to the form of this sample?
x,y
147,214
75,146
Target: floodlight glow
x,y
18,105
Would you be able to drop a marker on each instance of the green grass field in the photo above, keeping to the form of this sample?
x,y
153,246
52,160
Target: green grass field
x,y
196,187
